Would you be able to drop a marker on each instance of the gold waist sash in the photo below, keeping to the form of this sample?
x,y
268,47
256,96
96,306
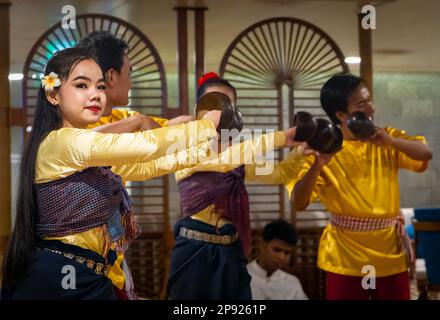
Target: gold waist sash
x,y
209,216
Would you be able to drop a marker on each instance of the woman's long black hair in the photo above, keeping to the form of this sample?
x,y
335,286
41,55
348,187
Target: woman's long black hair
x,y
47,118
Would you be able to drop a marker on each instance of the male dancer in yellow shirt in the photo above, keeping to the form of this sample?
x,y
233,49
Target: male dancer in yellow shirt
x,y
359,186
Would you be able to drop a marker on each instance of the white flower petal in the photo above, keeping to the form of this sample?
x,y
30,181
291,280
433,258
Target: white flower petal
x,y
50,81
48,88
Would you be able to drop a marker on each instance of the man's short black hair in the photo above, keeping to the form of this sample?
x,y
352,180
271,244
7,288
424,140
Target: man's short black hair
x,y
336,92
280,230
108,49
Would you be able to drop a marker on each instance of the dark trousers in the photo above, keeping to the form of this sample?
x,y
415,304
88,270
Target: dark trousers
x,y
207,271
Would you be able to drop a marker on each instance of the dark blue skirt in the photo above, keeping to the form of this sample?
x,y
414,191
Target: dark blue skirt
x,y
205,271
52,276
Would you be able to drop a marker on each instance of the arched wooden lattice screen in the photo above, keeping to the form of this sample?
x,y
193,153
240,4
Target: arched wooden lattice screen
x,y
278,67
148,95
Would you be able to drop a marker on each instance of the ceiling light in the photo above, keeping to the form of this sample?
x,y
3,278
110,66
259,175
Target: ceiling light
x,y
15,76
353,60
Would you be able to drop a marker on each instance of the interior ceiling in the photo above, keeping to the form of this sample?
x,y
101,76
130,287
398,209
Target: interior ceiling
x,y
406,38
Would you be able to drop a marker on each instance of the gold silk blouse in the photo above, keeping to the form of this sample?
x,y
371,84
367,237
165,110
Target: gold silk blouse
x,y
362,181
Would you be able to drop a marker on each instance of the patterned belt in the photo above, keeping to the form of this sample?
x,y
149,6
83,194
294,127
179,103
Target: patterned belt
x,y
97,267
358,224
207,237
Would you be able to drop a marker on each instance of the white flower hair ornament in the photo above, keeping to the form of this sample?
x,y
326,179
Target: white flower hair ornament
x,y
50,81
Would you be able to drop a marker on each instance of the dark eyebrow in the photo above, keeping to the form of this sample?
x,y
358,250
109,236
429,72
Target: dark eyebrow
x,y
364,100
82,78
87,78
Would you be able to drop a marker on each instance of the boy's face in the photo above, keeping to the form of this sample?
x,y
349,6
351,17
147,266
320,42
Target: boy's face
x,y
361,100
275,254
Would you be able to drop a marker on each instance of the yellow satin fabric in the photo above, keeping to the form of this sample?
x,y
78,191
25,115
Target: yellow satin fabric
x,y
67,151
237,155
116,274
362,181
282,172
120,114
94,240
90,239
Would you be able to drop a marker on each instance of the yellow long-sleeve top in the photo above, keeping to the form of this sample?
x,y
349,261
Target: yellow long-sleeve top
x,y
68,150
362,181
280,173
84,239
120,114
